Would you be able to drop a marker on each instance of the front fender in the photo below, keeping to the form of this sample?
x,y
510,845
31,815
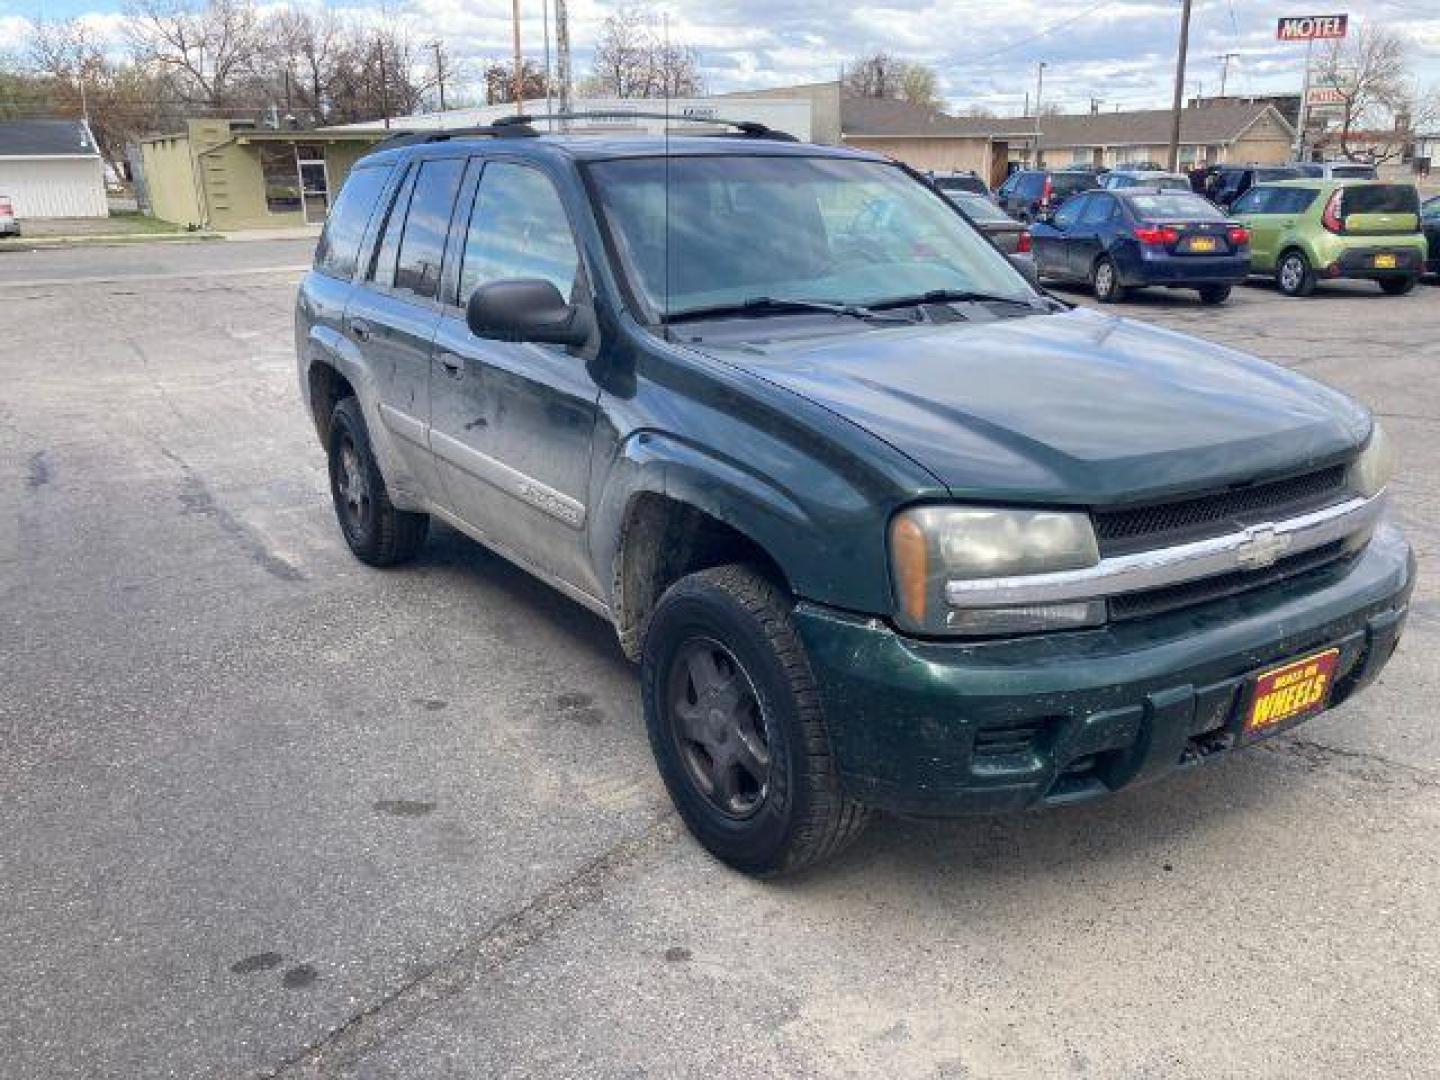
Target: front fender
x,y
828,541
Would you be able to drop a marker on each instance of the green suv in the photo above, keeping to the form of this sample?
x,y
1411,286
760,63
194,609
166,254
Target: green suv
x,y
1305,230
884,526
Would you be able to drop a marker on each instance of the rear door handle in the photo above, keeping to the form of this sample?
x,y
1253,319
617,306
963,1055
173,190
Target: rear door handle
x,y
454,365
361,329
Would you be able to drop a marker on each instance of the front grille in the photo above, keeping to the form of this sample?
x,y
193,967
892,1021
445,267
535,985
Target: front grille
x,y
1155,601
1131,529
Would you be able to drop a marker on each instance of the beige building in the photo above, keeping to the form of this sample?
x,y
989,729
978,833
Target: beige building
x,y
219,174
929,139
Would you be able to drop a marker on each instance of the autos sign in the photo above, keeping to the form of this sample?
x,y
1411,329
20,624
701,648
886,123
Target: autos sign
x,y
1311,27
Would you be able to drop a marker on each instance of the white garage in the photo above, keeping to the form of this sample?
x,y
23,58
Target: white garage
x,y
51,168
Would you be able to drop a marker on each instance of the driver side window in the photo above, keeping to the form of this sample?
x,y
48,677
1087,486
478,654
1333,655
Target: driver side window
x,y
518,229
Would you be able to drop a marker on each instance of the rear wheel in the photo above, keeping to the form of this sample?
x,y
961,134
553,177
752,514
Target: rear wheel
x,y
1397,286
736,725
377,533
1106,281
1293,274
1214,294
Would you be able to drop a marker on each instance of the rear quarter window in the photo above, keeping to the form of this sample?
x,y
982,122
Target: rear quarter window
x,y
1381,199
339,247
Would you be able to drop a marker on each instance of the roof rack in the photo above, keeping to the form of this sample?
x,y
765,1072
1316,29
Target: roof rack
x,y
511,127
745,129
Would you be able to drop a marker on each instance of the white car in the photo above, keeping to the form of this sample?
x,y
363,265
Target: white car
x,y
9,223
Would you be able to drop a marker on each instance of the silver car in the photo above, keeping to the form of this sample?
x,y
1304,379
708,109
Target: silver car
x,y
9,223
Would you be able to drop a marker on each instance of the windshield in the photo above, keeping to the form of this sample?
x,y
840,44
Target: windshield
x,y
795,228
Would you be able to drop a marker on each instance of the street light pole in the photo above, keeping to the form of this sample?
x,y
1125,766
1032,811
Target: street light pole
x,y
1173,161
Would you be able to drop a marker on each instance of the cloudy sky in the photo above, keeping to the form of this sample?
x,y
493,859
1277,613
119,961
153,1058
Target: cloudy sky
x,y
1120,51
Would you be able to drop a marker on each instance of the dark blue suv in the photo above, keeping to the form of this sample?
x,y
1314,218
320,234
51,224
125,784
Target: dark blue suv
x,y
1119,240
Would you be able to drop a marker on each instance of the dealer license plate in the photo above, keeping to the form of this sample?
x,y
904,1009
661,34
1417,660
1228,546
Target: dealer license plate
x,y
1385,262
1286,694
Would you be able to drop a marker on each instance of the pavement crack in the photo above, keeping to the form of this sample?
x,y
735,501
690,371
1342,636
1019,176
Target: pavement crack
x,y
495,946
1317,754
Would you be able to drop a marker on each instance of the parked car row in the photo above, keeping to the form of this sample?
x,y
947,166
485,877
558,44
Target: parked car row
x,y
1121,232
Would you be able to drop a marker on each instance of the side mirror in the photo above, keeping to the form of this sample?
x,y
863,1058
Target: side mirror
x,y
527,309
1025,263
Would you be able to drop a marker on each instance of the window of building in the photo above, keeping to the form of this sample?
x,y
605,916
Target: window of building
x,y
281,178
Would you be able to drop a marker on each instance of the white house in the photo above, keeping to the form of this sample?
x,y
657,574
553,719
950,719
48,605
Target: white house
x,y
51,168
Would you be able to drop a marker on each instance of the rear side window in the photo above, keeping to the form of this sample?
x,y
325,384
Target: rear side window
x,y
422,245
1380,199
382,268
1098,210
1293,200
339,246
1031,185
1258,200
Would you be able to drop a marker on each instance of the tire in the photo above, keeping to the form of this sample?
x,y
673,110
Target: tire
x,y
721,645
1214,294
1105,280
1397,286
1293,274
378,534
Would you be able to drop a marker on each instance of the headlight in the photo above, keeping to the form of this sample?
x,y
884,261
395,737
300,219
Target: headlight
x,y
931,545
1372,470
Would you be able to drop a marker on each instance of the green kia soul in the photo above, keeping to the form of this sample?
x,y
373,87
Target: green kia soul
x,y
1305,230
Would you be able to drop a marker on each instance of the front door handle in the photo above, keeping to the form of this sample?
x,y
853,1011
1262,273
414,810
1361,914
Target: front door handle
x,y
361,329
454,365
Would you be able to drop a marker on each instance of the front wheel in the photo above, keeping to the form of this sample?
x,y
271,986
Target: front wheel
x,y
1397,286
736,725
1214,294
1106,281
1293,275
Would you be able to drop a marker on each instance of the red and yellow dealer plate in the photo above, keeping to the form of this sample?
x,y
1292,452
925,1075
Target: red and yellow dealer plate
x,y
1285,694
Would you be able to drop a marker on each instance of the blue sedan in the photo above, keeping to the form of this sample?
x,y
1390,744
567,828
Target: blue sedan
x,y
1120,240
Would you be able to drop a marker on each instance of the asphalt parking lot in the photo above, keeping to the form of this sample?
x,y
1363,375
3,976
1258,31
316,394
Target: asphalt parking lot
x,y
264,811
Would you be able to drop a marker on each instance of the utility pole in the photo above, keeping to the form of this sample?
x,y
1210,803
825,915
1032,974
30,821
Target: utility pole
x,y
545,25
562,59
439,71
1173,158
384,90
1039,94
519,58
1225,59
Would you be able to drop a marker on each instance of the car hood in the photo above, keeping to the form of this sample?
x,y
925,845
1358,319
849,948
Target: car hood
x,y
1072,408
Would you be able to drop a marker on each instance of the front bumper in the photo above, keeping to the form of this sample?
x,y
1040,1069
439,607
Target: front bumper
x,y
950,728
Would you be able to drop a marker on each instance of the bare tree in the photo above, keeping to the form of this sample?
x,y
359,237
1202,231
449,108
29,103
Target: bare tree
x,y
883,75
499,77
1369,74
632,60
121,101
304,46
208,47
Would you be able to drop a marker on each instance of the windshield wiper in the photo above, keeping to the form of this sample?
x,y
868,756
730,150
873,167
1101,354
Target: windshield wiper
x,y
777,305
950,296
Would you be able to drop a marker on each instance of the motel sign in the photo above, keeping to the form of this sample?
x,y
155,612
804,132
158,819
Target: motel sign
x,y
1311,27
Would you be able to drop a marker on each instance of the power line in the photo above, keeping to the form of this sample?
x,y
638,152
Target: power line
x,y
1033,37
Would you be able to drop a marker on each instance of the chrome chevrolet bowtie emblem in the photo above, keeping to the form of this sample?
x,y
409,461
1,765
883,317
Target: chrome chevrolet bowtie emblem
x,y
1262,546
